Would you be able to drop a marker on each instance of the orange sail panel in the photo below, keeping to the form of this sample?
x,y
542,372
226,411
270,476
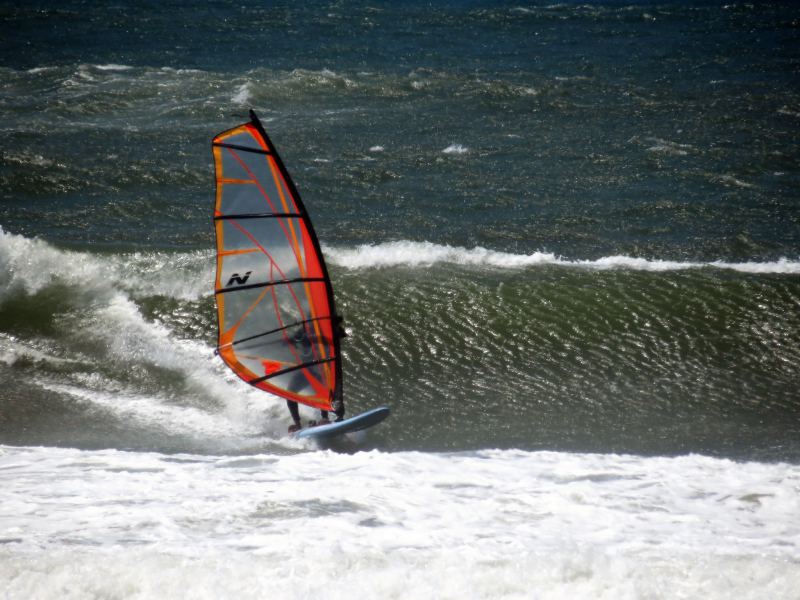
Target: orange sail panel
x,y
277,323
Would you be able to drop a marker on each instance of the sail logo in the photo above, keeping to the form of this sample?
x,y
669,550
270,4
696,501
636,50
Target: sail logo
x,y
238,279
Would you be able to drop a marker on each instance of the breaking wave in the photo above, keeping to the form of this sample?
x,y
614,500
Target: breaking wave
x,y
420,254
31,265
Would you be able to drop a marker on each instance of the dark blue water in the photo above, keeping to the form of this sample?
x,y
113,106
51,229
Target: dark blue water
x,y
459,139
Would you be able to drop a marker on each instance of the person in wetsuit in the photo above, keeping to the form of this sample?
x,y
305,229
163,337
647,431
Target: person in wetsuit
x,y
302,344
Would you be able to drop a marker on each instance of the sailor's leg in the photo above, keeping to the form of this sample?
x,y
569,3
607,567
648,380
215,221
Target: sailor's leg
x,y
339,410
295,412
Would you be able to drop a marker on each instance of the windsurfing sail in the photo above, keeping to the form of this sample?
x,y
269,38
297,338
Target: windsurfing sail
x,y
278,328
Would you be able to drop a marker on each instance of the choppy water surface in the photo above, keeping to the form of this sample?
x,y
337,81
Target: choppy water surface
x,y
565,241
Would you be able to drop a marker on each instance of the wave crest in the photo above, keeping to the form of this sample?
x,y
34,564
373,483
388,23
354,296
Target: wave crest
x,y
422,254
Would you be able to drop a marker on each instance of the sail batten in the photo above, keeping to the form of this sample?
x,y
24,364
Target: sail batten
x,y
268,283
260,216
242,148
289,326
277,321
294,368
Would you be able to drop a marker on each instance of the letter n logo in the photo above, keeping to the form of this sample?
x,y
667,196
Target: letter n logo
x,y
238,279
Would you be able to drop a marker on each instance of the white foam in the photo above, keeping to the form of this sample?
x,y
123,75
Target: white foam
x,y
82,74
102,290
37,70
423,254
184,275
664,147
243,95
792,112
130,339
113,67
321,77
182,71
455,149
491,524
27,159
415,254
731,180
30,265
572,78
667,150
153,412
13,349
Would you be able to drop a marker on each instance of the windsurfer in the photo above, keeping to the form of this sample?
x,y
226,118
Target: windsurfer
x,y
262,226
295,412
302,346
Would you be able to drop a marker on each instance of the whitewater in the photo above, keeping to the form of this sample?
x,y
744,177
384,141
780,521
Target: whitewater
x,y
32,264
422,254
485,524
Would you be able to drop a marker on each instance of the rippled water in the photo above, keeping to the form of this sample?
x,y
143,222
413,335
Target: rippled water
x,y
565,231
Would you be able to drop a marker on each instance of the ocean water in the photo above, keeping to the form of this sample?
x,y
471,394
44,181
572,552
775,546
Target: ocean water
x,y
565,239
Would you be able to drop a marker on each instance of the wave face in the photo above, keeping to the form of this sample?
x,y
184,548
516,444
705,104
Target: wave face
x,y
472,349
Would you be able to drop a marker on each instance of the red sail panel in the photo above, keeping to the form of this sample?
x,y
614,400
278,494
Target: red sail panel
x,y
274,298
